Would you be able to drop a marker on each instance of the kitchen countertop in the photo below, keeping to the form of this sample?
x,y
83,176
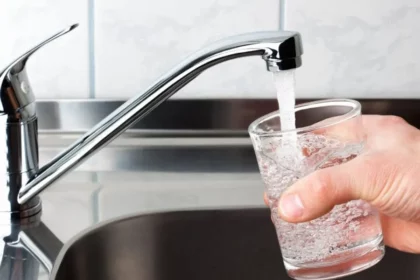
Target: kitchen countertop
x,y
111,184
121,193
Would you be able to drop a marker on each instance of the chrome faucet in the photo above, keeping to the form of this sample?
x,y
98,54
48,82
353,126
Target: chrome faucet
x,y
23,180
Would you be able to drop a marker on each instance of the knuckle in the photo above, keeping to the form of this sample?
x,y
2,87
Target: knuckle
x,y
370,162
398,195
367,176
320,184
266,201
382,175
393,120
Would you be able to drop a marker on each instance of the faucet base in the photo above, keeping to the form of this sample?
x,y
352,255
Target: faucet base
x,y
32,208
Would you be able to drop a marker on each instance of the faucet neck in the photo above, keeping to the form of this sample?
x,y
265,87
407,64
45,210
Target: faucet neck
x,y
281,51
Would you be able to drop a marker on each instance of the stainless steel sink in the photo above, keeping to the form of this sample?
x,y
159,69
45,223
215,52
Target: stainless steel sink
x,y
197,245
213,146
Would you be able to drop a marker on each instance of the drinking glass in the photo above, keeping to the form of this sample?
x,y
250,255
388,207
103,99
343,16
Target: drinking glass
x,y
349,238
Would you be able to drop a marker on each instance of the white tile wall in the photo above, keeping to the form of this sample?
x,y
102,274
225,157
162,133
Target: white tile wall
x,y
357,48
138,41
352,48
60,69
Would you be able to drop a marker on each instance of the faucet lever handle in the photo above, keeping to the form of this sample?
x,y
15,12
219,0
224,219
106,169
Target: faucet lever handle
x,y
15,91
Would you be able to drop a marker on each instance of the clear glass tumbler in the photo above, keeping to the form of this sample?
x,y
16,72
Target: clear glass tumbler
x,y
349,238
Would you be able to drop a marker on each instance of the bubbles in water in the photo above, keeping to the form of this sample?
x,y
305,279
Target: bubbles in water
x,y
283,160
345,227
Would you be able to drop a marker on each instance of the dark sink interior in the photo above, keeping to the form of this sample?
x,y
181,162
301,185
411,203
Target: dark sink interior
x,y
193,245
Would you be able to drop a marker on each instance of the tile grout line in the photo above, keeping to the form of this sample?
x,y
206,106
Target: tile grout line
x,y
91,48
282,14
95,199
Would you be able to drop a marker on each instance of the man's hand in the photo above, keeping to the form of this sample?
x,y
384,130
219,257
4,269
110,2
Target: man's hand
x,y
387,175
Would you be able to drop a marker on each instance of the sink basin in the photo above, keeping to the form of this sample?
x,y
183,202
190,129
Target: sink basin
x,y
195,245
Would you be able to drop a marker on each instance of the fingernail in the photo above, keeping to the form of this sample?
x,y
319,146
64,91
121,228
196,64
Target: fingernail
x,y
291,206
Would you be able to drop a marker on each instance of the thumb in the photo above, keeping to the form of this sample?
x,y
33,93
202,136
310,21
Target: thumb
x,y
317,193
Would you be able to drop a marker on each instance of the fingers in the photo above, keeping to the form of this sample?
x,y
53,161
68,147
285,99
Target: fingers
x,y
266,199
316,194
401,235
382,176
372,125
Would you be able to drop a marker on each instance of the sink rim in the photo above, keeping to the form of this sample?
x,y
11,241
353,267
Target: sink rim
x,y
91,229
394,257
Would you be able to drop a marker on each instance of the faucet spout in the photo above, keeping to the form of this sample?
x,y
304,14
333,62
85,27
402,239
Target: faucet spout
x,y
280,50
